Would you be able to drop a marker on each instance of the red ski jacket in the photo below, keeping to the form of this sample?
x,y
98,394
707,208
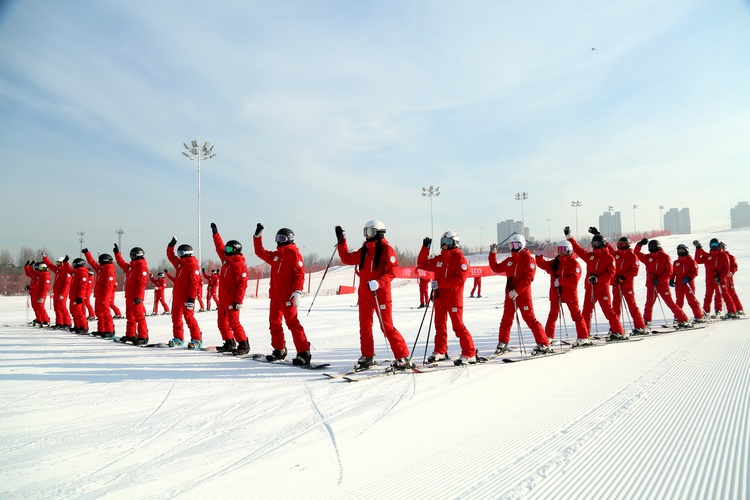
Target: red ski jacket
x,y
136,277
567,270
106,284
39,286
599,262
519,267
63,273
658,265
382,271
232,276
287,268
187,279
79,283
450,270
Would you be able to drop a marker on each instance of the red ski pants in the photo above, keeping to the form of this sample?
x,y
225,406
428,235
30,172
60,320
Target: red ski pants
x,y
285,310
367,311
524,304
456,314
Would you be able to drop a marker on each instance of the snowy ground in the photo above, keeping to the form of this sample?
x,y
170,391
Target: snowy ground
x,y
666,417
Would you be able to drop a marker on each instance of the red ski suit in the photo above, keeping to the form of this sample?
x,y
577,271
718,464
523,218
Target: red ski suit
x,y
79,287
160,284
520,268
136,280
213,284
450,269
733,268
658,269
287,276
38,289
60,290
232,286
708,259
684,272
627,266
104,293
601,264
565,270
424,296
89,292
383,272
187,283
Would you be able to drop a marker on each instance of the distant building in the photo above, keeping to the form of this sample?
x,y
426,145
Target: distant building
x,y
677,221
610,225
508,227
740,215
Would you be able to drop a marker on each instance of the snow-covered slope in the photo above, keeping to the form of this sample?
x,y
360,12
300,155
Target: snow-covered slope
x,y
665,417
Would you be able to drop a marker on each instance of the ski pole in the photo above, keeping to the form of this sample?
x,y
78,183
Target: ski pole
x,y
427,342
658,298
623,306
518,324
382,326
562,317
335,247
593,309
427,306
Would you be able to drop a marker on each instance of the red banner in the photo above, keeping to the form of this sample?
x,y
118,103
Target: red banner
x,y
414,273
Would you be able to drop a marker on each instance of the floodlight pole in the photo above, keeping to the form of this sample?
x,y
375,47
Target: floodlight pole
x,y
119,232
576,204
430,193
520,197
199,153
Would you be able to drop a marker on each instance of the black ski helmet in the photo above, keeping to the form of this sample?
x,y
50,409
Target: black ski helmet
x,y
78,262
682,250
714,243
136,253
623,243
233,247
184,250
284,236
105,258
654,246
598,241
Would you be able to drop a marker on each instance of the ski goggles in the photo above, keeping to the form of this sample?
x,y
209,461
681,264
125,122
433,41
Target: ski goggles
x,y
184,253
561,249
515,245
282,238
715,244
623,245
370,232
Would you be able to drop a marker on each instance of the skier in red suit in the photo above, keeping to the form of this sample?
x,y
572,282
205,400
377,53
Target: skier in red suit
x,y
104,292
136,280
600,269
565,272
213,285
232,286
718,268
450,270
60,289
733,268
79,287
707,259
520,268
659,269
627,267
424,297
287,283
38,289
684,272
187,282
160,284
376,261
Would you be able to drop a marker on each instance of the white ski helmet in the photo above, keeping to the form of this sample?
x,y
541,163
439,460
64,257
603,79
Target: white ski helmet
x,y
517,242
449,239
564,247
374,229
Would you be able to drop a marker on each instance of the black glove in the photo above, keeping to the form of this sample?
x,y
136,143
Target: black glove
x,y
717,280
644,241
165,271
593,279
203,269
671,283
427,242
66,259
79,300
190,304
214,229
237,306
137,301
33,262
27,263
686,279
116,249
172,242
258,229
593,230
697,244
655,281
620,278
340,235
84,250
566,232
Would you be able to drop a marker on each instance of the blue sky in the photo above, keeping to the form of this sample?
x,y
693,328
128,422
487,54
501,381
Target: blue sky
x,y
328,113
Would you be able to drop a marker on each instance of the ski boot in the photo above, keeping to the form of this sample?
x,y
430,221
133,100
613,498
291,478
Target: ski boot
x,y
541,349
502,348
195,344
127,339
175,342
243,347
436,356
302,359
277,355
616,337
140,341
465,360
229,346
582,343
363,363
639,331
402,364
684,325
